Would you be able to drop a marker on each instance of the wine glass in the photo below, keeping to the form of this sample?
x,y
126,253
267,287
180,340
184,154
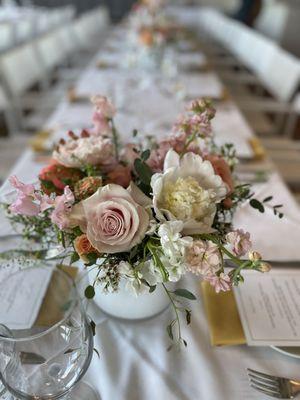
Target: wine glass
x,y
46,339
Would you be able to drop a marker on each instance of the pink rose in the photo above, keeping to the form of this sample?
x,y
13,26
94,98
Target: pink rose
x,y
115,220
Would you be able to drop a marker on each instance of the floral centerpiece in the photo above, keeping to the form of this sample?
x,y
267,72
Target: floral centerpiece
x,y
145,212
150,31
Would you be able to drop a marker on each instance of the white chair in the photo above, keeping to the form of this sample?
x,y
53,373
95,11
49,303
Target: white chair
x,y
7,35
6,109
20,70
24,29
90,26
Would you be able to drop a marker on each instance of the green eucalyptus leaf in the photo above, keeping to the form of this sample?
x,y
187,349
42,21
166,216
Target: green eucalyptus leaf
x,y
257,205
170,331
143,170
269,198
188,316
145,155
185,293
74,257
89,292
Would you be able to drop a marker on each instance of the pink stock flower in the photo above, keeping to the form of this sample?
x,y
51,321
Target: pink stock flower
x,y
62,209
221,283
157,156
103,106
24,203
203,258
101,125
240,241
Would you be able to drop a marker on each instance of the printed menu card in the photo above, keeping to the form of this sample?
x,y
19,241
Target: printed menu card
x,y
269,307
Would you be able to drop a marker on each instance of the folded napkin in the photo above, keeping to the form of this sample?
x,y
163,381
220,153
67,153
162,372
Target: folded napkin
x,y
258,149
223,317
39,141
50,313
73,97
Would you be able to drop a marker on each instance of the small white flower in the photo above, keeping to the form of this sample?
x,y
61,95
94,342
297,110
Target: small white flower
x,y
173,244
133,279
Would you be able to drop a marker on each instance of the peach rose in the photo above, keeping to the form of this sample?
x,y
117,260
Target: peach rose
x,y
121,175
222,169
115,218
83,246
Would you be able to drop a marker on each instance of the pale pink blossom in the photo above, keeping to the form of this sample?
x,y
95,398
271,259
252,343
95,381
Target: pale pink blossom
x,y
45,201
129,154
221,283
115,219
203,258
62,209
157,156
240,242
101,125
103,106
25,201
26,189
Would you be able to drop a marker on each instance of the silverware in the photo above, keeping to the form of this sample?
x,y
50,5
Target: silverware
x,y
273,386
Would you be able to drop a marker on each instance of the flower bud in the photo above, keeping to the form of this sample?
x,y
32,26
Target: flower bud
x,y
265,267
254,256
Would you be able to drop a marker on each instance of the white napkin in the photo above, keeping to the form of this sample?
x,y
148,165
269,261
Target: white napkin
x,y
276,239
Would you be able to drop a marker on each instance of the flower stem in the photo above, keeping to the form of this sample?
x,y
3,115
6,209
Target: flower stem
x,y
115,139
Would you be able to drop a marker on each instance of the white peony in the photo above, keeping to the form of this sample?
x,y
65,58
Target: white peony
x,y
188,191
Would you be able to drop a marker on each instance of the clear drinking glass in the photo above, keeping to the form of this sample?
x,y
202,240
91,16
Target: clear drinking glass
x,y
46,340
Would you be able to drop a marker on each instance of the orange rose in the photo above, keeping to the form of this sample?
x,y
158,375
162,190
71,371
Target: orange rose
x,y
83,246
55,177
146,37
121,175
222,169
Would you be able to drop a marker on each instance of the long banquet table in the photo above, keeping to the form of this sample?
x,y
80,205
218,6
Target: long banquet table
x,y
134,363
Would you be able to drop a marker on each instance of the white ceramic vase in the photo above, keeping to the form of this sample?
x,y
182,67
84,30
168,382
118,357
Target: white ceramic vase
x,y
123,304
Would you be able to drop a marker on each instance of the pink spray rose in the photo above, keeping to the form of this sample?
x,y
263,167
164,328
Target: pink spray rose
x,y
25,202
62,209
115,219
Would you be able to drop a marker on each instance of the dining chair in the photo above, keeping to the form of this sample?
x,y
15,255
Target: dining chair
x,y
7,35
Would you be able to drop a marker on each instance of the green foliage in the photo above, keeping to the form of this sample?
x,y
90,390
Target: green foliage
x,y
89,292
257,205
185,293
